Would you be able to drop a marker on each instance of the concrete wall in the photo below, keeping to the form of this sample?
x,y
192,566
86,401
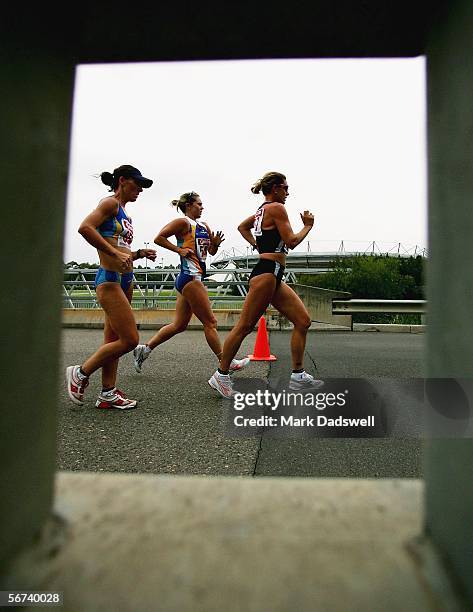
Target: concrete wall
x,y
36,111
154,319
449,463
318,302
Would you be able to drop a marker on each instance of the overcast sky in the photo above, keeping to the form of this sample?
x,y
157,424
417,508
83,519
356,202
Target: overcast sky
x,y
349,135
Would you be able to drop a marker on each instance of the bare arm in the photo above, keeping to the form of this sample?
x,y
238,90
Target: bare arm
x,y
245,230
107,208
281,220
174,228
215,240
144,253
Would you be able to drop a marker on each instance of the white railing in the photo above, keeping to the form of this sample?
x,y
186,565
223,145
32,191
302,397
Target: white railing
x,y
153,287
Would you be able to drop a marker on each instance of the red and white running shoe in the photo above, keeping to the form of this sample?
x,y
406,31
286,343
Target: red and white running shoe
x,y
239,364
76,384
222,383
115,400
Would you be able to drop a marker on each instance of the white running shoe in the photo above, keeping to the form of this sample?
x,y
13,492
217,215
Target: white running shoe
x,y
117,400
139,356
222,383
239,364
304,382
76,384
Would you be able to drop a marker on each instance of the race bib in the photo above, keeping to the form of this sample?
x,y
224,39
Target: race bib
x,y
202,247
125,238
258,222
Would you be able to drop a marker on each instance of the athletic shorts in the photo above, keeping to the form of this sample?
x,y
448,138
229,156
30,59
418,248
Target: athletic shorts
x,y
107,276
265,266
183,279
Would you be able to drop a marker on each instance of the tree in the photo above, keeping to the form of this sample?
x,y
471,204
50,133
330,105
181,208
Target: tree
x,y
375,277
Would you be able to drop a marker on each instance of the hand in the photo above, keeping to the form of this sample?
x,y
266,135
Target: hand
x,y
185,252
216,239
125,260
148,253
307,218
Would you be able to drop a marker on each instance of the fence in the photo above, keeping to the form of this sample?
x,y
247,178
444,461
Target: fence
x,y
154,289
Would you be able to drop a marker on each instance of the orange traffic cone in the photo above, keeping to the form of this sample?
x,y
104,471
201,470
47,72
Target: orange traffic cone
x,y
261,350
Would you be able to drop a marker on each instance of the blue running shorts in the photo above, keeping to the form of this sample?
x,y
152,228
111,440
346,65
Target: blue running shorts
x,y
107,276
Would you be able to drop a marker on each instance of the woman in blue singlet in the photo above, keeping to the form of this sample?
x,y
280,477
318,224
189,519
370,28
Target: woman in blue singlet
x,y
194,240
272,235
109,229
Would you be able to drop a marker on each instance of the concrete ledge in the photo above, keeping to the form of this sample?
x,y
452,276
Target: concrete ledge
x,y
319,326
389,327
141,542
93,318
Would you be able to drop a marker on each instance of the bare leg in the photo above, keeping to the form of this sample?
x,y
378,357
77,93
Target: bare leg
x,y
120,316
291,306
198,298
259,296
181,321
109,370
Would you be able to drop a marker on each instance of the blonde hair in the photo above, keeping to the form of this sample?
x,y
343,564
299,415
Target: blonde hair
x,y
266,182
184,200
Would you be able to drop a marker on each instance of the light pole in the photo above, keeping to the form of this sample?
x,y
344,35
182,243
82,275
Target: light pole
x,y
146,273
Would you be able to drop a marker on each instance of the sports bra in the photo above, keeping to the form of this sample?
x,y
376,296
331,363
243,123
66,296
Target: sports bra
x,y
119,227
198,240
267,241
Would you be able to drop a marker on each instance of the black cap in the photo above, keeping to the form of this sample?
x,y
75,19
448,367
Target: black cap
x,y
136,175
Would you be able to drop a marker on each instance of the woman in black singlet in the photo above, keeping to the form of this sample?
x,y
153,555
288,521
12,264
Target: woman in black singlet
x,y
272,235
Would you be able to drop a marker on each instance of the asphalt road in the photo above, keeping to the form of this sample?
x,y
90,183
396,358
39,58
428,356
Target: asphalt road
x,y
179,425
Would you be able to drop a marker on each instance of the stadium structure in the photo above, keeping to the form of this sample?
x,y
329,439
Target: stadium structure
x,y
316,261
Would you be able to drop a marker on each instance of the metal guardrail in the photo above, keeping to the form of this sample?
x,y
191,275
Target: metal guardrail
x,y
379,306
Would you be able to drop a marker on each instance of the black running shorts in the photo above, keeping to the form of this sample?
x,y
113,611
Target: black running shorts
x,y
265,266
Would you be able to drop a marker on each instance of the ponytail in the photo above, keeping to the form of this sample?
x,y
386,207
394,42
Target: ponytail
x,y
180,205
257,186
107,178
